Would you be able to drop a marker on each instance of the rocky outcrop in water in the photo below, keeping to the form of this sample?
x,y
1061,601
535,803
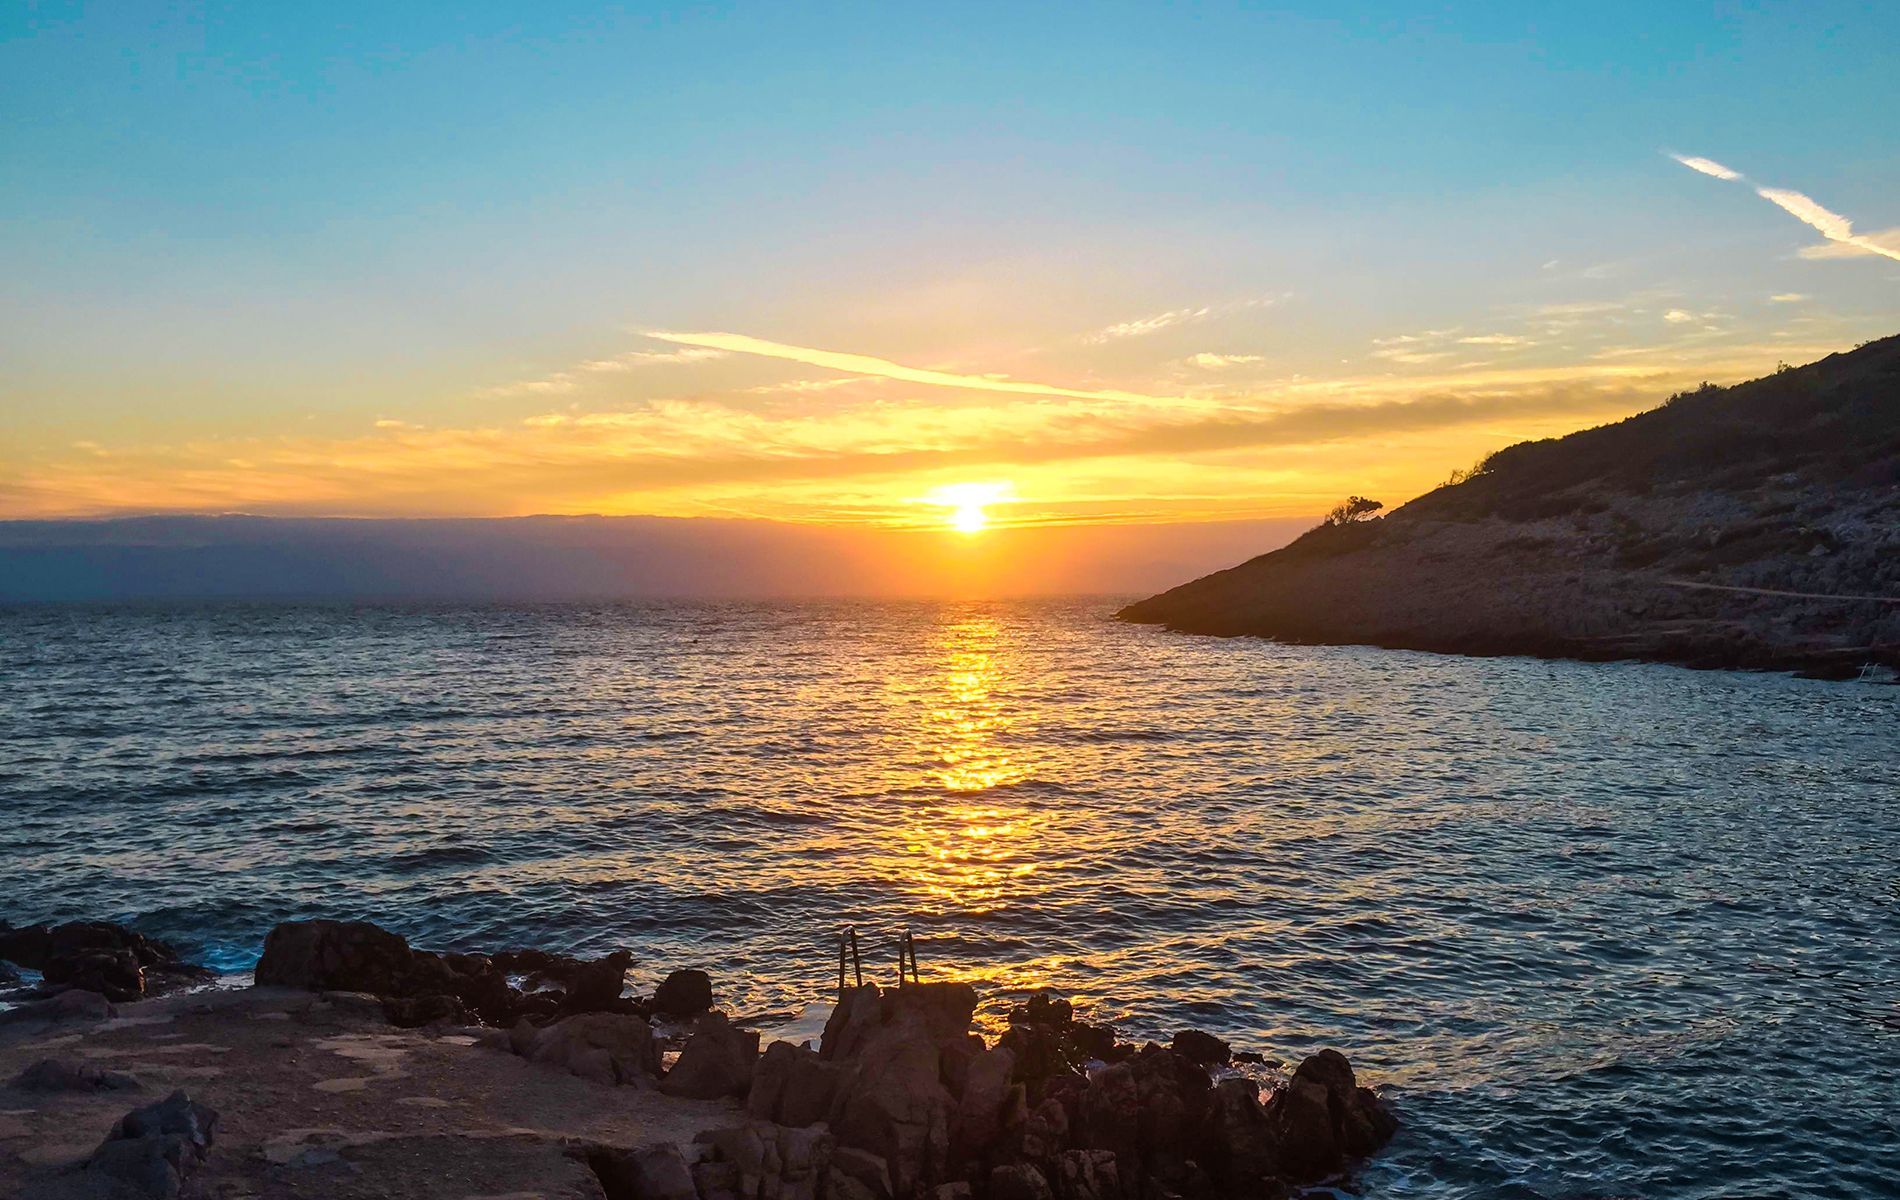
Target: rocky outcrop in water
x,y
98,956
1751,526
916,1105
422,987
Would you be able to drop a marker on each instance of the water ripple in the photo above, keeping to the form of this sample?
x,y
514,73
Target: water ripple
x,y
1597,930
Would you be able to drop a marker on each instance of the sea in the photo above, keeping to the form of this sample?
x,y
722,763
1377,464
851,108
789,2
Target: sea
x,y
1593,929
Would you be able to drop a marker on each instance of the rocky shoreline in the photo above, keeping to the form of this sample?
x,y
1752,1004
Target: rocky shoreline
x,y
358,1066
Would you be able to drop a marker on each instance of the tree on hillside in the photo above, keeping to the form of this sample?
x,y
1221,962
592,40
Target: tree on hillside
x,y
1352,510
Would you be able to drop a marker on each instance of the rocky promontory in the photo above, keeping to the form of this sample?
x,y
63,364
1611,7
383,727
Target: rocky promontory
x,y
1753,526
361,1067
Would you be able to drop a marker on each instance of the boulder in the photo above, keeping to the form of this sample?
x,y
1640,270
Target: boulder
x,y
27,945
858,1011
871,1173
413,1012
614,1048
1018,1181
97,956
73,1005
684,993
892,1101
792,1086
596,986
943,1009
1322,1119
1090,1175
153,1149
716,1061
1247,1149
62,1075
115,974
341,956
1202,1048
652,1173
982,1102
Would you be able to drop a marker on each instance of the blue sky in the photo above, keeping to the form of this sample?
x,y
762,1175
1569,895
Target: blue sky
x,y
231,229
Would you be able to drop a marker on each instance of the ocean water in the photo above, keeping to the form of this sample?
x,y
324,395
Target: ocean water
x,y
1594,929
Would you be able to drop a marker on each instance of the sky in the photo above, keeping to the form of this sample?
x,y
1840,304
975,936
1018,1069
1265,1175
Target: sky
x,y
944,267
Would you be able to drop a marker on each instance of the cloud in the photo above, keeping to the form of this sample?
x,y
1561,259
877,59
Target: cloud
x,y
1790,297
1707,166
1216,362
1812,213
865,364
1677,316
1147,325
1885,242
644,358
1494,339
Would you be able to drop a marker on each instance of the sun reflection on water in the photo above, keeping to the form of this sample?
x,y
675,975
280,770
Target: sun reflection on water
x,y
972,851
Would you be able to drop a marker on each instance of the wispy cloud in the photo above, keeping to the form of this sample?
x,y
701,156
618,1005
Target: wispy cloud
x,y
562,382
1144,326
1790,297
647,358
1218,362
865,364
1885,242
1831,225
1707,166
1494,339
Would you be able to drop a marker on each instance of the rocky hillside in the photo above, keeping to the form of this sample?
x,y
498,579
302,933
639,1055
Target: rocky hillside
x,y
1749,526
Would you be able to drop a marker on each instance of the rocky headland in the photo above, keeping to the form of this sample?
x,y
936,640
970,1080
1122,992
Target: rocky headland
x,y
1754,526
358,1067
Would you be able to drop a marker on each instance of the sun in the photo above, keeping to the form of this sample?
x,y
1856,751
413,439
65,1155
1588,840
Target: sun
x,y
969,503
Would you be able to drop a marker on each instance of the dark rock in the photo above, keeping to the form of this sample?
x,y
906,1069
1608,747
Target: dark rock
x,y
772,1161
60,1075
28,945
871,1172
716,1061
1322,1119
716,1181
74,937
343,956
1043,1008
153,1149
1202,1048
1018,1181
892,1101
114,974
73,1005
1248,1151
605,1047
982,1102
858,1012
595,986
1045,1131
1090,1175
654,1173
944,1009
413,1012
684,993
485,992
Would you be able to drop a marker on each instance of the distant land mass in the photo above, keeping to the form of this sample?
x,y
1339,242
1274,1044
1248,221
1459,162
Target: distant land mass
x,y
562,558
1753,526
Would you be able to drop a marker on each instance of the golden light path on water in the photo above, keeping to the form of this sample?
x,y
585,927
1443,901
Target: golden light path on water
x,y
977,853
